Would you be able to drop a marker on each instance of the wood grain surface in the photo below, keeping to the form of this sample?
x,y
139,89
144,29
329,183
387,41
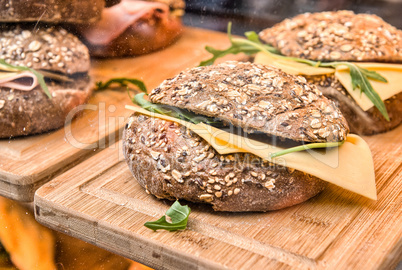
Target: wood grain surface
x,y
99,201
27,163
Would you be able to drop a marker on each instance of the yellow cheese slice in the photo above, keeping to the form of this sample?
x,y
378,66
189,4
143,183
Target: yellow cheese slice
x,y
392,72
349,166
291,67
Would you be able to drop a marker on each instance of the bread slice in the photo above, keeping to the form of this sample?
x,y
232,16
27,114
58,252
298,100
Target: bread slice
x,y
343,36
336,36
52,50
257,98
51,11
171,162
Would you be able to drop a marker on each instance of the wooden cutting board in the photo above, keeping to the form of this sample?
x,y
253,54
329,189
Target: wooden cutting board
x,y
29,162
99,201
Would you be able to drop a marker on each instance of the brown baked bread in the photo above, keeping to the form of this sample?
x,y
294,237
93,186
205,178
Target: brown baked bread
x,y
133,27
51,11
51,50
172,162
343,36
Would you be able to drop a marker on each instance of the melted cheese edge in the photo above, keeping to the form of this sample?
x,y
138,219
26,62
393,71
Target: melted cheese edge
x,y
349,166
392,72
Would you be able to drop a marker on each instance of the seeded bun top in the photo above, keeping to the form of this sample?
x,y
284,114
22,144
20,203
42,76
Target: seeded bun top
x,y
334,36
256,98
52,49
52,11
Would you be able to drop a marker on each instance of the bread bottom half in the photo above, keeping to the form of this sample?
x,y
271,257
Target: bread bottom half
x,y
171,162
32,112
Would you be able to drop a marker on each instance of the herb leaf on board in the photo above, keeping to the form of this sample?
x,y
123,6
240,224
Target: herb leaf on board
x,y
177,219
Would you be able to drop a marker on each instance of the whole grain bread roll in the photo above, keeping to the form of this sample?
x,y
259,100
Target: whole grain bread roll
x,y
48,50
343,36
172,162
51,11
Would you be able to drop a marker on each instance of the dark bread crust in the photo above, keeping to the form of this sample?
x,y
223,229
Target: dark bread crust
x,y
172,162
51,11
360,122
256,98
32,112
335,36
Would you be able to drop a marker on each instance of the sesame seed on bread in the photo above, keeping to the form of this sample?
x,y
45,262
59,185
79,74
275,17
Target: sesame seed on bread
x,y
335,36
256,98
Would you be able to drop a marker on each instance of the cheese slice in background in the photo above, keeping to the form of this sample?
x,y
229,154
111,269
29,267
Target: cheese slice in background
x,y
392,72
349,166
291,67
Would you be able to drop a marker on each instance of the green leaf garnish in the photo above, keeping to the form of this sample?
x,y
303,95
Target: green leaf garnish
x,y
178,215
174,111
251,45
123,82
238,45
305,147
37,74
360,80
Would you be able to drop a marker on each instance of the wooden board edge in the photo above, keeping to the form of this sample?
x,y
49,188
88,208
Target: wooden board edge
x,y
162,257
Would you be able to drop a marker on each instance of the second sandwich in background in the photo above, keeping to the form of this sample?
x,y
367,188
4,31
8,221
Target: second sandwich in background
x,y
343,36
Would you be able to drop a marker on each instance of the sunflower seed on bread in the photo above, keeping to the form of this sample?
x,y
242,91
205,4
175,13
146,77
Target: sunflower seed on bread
x,y
256,98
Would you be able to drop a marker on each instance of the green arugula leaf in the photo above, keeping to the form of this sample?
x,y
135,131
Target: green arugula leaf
x,y
252,45
122,82
305,147
178,215
238,45
360,81
373,75
37,74
174,111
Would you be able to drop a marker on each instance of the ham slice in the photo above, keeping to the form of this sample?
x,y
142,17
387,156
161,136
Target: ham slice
x,y
24,80
116,19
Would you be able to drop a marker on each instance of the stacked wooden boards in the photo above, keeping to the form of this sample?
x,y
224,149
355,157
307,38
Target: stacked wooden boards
x,y
99,201
26,163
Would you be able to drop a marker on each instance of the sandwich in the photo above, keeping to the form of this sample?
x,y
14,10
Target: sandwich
x,y
24,243
240,136
354,59
44,75
132,27
343,36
